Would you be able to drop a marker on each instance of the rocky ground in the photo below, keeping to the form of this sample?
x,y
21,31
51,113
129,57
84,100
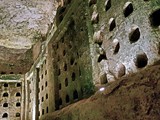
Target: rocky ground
x,y
134,97
22,24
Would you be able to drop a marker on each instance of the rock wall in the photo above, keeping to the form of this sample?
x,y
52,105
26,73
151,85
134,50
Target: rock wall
x,y
125,37
134,97
62,74
11,98
23,25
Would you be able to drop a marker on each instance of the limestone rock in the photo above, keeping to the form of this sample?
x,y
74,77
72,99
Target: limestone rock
x,y
23,25
135,97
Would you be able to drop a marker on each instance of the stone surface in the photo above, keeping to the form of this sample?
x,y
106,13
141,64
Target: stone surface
x,y
22,24
128,28
135,97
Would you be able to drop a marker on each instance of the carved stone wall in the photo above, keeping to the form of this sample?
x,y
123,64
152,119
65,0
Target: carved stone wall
x,y
11,103
125,37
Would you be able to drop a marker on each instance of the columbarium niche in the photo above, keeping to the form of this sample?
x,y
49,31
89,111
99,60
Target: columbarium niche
x,y
155,18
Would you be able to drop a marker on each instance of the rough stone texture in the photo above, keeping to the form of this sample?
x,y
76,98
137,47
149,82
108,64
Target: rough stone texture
x,y
134,97
64,65
22,24
94,39
133,29
11,97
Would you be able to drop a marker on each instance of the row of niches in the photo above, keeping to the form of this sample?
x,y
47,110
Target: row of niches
x,y
74,76
6,115
64,53
43,87
43,71
18,104
4,73
43,111
128,8
42,99
67,98
64,67
133,36
6,94
6,85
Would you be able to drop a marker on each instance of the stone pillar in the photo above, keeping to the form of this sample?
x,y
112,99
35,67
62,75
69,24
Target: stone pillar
x,y
26,98
35,97
23,99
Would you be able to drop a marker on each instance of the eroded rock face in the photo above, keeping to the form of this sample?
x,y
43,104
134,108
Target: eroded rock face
x,y
22,25
135,97
128,33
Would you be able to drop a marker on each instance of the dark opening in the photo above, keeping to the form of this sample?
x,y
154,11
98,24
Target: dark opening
x,y
5,105
91,2
66,82
38,113
65,67
112,24
18,94
42,76
67,98
71,61
18,114
5,85
42,111
61,10
46,83
155,18
117,47
47,110
42,87
75,95
72,24
42,99
102,57
64,52
5,94
46,96
134,35
3,73
60,86
128,9
5,115
60,101
11,73
18,104
45,72
18,84
57,46
141,60
73,76
107,5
